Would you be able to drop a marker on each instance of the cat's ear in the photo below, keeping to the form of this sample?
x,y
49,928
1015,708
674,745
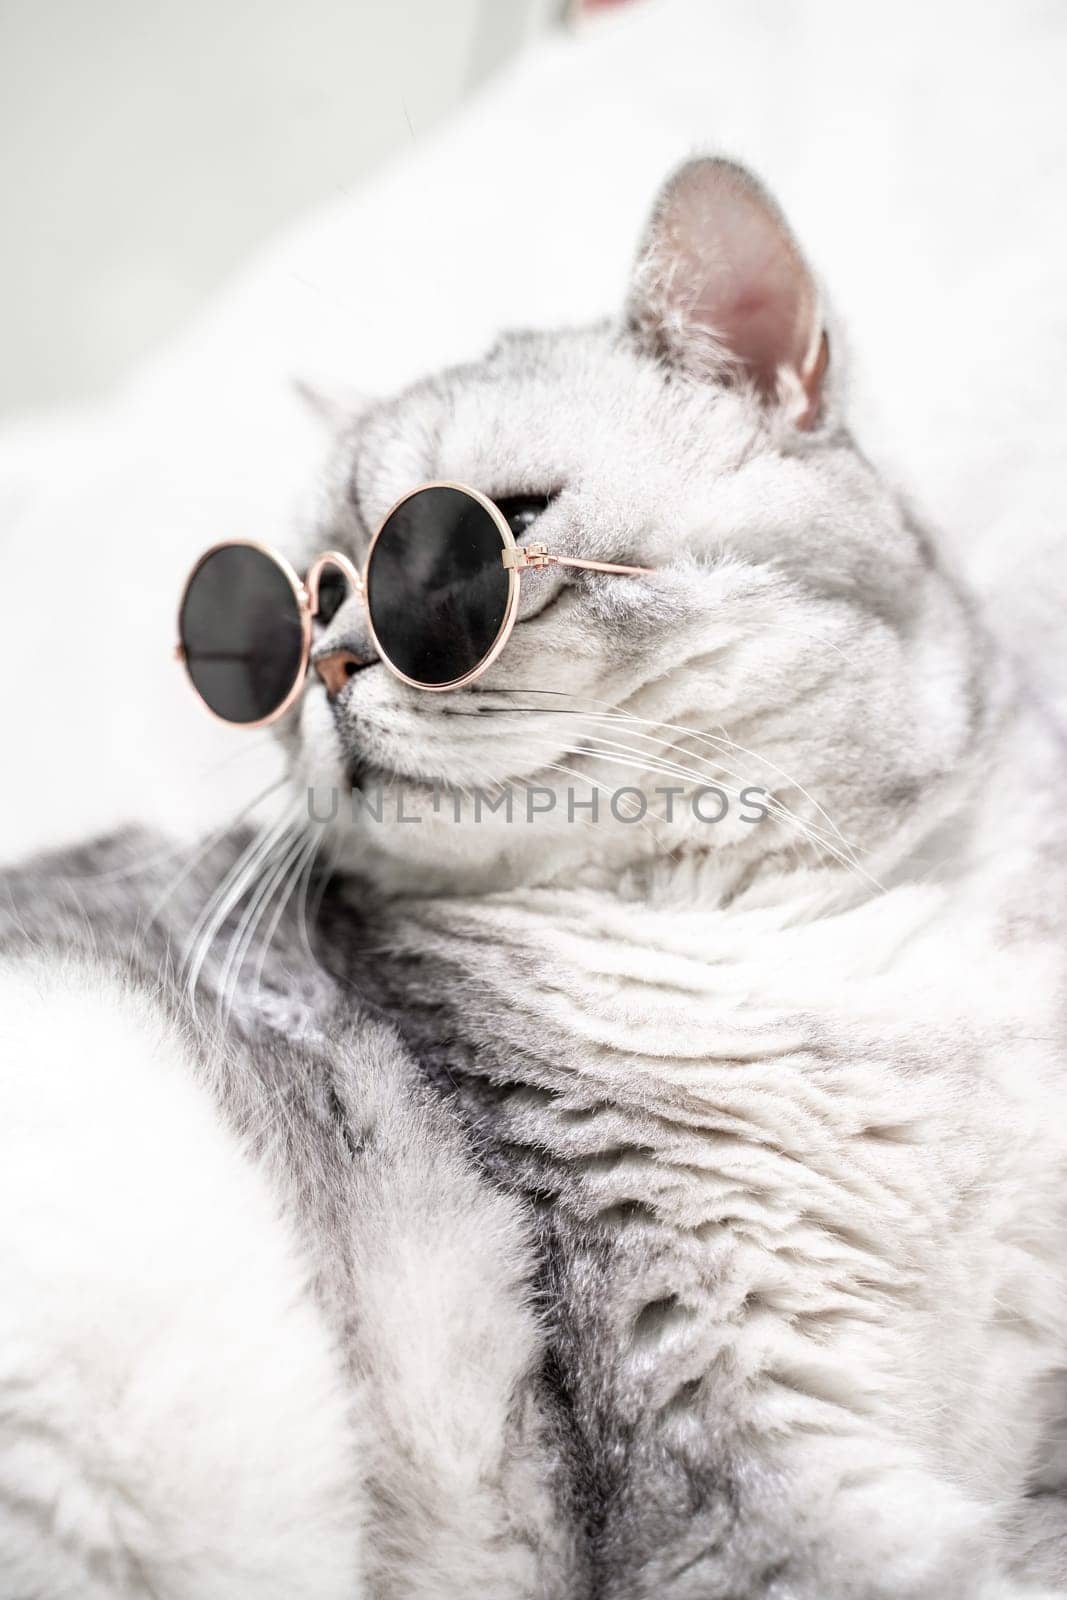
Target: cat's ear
x,y
722,290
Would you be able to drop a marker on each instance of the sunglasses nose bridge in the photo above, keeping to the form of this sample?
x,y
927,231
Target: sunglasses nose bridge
x,y
335,559
345,646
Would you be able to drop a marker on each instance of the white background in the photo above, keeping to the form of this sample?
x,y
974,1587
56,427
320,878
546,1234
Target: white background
x,y
147,145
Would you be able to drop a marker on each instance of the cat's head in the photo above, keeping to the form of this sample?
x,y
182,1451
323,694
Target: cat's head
x,y
796,652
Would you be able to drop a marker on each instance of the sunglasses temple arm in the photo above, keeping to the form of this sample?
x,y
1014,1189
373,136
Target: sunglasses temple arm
x,y
599,566
523,557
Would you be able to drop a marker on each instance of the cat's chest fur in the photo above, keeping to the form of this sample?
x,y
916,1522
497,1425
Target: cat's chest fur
x,y
746,1137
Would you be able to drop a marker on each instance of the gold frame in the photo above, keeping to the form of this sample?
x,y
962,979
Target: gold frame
x,y
510,610
515,558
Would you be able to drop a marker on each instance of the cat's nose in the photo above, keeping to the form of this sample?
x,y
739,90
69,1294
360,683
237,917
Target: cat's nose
x,y
336,668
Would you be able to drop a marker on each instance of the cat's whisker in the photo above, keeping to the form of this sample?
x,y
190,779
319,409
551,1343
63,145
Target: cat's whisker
x,y
717,741
635,761
142,864
815,836
247,747
325,878
205,847
271,877
307,872
553,766
615,712
793,783
828,841
236,883
643,762
727,772
640,761
305,857
257,884
234,872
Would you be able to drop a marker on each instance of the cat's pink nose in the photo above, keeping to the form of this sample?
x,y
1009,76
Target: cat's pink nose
x,y
336,669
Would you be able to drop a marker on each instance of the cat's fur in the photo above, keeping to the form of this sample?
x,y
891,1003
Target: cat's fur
x,y
596,1208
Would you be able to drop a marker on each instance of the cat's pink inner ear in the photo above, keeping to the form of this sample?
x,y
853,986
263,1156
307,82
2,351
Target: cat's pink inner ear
x,y
721,285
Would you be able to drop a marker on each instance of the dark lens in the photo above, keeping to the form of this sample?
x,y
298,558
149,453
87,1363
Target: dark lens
x,y
437,590
241,632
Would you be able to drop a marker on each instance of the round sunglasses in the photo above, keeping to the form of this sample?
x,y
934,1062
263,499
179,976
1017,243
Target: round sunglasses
x,y
441,589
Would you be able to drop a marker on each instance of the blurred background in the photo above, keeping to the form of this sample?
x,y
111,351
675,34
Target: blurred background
x,y
146,148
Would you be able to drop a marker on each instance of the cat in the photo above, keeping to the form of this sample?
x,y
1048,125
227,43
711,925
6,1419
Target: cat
x,y
610,1198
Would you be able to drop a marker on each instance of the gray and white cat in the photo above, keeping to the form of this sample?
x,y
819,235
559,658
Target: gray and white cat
x,y
590,1205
